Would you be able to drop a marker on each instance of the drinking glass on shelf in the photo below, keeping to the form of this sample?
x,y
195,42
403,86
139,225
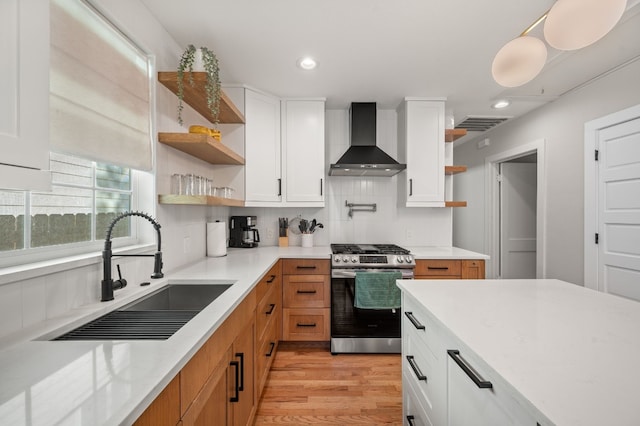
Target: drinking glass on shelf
x,y
177,184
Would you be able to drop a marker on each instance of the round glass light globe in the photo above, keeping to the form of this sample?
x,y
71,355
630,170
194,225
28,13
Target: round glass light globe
x,y
519,61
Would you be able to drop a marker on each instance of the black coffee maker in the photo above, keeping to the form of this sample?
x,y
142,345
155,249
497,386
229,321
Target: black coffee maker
x,y
242,232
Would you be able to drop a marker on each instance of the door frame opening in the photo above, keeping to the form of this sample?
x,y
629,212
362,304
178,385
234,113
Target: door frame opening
x,y
492,206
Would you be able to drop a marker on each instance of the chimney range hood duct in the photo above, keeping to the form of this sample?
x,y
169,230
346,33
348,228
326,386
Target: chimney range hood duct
x,y
364,158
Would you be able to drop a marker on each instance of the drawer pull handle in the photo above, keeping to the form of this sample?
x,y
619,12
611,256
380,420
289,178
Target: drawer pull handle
x,y
236,365
479,381
414,321
271,279
301,324
273,346
241,356
415,368
410,420
306,267
438,268
272,307
306,292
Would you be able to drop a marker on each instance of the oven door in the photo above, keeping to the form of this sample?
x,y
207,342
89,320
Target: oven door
x,y
348,322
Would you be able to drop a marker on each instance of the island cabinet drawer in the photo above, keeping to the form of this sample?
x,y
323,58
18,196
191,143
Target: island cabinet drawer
x,y
438,268
305,266
268,311
310,324
418,326
269,280
306,291
426,373
413,411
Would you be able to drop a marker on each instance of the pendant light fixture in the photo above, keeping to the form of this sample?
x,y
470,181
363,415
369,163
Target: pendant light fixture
x,y
569,25
519,61
574,24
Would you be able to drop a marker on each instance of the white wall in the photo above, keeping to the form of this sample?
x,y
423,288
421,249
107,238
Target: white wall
x,y
561,124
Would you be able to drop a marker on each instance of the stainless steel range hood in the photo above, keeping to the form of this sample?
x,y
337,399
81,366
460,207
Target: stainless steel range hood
x,y
364,158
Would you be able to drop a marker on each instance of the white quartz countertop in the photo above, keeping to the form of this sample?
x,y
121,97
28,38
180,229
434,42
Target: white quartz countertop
x,y
112,382
571,352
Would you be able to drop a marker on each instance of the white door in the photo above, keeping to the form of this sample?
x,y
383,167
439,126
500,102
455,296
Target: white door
x,y
518,190
619,209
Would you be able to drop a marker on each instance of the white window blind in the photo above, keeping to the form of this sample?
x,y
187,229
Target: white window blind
x,y
100,102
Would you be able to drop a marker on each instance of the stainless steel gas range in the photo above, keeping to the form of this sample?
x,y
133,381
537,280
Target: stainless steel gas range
x,y
355,330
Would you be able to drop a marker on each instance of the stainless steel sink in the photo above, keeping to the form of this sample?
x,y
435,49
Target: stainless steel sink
x,y
156,316
179,297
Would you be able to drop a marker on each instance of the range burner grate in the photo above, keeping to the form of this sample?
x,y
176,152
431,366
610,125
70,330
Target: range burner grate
x,y
367,249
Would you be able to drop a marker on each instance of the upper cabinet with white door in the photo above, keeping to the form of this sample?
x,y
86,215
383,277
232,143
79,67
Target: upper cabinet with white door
x,y
303,152
421,147
263,173
24,94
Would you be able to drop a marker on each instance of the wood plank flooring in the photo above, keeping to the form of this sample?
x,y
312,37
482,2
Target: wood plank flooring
x,y
309,386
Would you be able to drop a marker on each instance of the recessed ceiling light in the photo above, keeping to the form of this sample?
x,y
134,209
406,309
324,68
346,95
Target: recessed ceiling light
x,y
307,63
501,103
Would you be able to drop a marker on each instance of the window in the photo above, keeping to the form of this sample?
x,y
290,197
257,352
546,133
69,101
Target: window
x,y
101,103
85,198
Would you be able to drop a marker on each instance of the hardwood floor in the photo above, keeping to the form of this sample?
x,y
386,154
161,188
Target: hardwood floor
x,y
309,386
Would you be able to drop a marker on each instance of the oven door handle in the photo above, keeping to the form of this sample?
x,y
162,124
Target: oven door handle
x,y
407,273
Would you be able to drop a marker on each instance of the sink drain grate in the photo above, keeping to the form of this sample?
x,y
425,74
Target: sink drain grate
x,y
131,325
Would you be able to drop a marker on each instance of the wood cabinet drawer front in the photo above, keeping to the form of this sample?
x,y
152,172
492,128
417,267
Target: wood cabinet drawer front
x,y
473,269
305,266
270,279
438,268
267,311
306,324
306,291
267,348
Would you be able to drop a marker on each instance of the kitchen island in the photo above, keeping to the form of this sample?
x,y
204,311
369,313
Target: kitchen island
x,y
113,382
555,353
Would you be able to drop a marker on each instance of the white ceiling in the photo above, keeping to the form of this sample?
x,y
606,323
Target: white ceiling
x,y
384,50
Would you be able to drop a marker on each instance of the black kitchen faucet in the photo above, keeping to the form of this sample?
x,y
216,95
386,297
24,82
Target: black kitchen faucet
x,y
108,284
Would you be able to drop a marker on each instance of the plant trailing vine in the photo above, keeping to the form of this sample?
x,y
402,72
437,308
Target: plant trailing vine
x,y
212,87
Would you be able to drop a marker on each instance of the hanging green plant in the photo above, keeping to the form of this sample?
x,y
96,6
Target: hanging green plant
x,y
212,87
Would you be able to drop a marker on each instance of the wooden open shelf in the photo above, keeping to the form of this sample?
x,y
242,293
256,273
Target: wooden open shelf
x,y
201,146
451,135
199,200
452,170
455,204
196,96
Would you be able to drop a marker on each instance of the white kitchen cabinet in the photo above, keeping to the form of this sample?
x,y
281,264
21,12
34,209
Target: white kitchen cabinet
x,y
437,388
24,94
303,152
421,147
263,178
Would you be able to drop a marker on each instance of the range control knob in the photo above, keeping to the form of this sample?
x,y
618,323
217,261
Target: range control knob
x,y
354,259
409,259
400,259
336,259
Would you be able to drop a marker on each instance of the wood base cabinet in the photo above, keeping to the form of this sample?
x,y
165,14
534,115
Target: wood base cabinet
x,y
306,295
453,269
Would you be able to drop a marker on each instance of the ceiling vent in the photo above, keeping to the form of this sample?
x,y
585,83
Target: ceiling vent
x,y
480,123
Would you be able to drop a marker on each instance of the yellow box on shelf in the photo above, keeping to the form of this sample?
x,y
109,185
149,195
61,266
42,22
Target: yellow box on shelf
x,y
206,131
